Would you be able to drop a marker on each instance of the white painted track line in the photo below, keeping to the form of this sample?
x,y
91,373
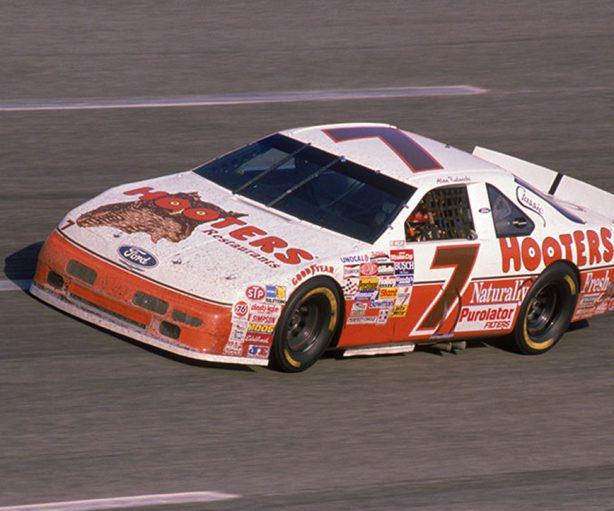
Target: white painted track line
x,y
126,502
249,98
14,285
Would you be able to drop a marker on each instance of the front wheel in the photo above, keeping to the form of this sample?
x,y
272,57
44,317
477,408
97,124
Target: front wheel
x,y
307,326
547,310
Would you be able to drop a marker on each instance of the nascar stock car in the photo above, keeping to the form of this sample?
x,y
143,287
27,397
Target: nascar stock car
x,y
359,237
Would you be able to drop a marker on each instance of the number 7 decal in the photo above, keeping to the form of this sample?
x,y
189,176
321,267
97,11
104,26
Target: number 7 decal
x,y
409,151
462,259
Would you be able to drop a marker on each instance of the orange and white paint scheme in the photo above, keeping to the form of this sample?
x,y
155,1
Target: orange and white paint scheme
x,y
346,236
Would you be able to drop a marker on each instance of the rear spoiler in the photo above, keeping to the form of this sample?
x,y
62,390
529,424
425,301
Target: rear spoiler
x,y
553,183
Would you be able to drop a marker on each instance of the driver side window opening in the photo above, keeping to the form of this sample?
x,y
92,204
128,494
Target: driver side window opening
x,y
442,214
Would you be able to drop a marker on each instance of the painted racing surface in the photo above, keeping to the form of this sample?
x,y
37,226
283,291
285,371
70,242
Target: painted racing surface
x,y
195,267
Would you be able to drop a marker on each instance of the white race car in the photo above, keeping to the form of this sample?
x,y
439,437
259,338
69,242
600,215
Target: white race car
x,y
358,237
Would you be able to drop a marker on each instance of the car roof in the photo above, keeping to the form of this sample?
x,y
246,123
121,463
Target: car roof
x,y
399,154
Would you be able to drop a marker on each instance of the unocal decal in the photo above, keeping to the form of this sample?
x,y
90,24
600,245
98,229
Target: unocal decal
x,y
138,256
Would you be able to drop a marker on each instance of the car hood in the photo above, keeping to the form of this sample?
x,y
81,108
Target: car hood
x,y
195,236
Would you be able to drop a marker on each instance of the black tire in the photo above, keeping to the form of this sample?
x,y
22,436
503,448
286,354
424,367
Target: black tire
x,y
547,310
308,324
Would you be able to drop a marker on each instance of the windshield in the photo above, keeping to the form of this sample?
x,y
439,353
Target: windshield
x,y
311,185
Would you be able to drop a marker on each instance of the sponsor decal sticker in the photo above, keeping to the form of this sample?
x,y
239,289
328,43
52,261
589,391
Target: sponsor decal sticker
x,y
530,203
368,284
262,319
355,259
351,270
266,308
362,320
486,317
379,257
388,281
261,329
256,293
399,311
498,292
594,284
314,269
582,247
240,309
368,270
358,309
257,350
175,217
406,254
388,293
258,337
137,256
381,304
275,294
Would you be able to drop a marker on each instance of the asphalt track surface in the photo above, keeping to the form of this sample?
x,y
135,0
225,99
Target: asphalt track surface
x,y
88,415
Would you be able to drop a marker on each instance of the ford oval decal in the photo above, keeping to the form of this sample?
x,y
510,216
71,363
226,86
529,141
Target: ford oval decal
x,y
138,256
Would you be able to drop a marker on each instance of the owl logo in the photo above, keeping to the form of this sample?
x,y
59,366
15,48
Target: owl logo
x,y
161,215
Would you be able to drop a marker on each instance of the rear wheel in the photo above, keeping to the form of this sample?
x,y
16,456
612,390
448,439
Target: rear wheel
x,y
547,310
307,326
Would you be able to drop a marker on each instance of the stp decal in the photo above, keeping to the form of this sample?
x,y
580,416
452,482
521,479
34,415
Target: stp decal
x,y
255,293
409,151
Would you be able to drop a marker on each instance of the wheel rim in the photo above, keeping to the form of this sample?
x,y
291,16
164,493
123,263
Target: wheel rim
x,y
306,324
542,309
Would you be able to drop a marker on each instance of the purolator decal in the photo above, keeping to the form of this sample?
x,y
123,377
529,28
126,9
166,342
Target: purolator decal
x,y
582,247
175,216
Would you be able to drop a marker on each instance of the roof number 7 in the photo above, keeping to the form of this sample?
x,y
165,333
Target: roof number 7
x,y
409,151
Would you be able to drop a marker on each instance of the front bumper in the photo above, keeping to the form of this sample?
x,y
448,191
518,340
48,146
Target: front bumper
x,y
76,281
